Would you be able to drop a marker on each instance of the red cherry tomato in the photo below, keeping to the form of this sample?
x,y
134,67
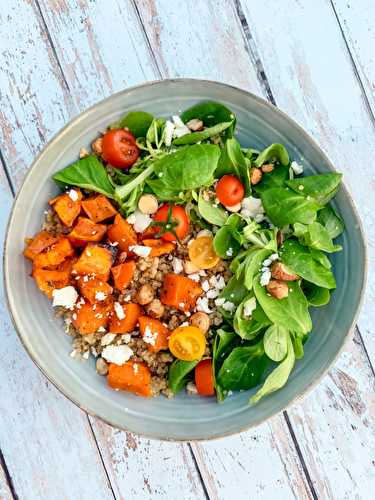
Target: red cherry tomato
x,y
230,190
204,379
119,148
178,222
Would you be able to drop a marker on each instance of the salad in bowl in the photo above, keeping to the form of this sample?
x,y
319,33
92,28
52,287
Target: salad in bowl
x,y
181,260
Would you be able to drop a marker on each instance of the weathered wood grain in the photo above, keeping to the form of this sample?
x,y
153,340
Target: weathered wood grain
x,y
331,107
357,21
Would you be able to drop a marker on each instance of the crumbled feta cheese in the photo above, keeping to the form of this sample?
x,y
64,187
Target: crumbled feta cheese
x,y
301,188
177,265
180,128
229,252
219,302
135,368
73,353
100,296
185,323
191,388
181,304
267,262
86,355
205,286
107,338
149,337
253,208
202,272
101,329
274,257
139,220
127,298
168,131
65,297
118,355
119,311
228,306
204,232
73,195
249,307
220,282
212,294
140,250
296,167
202,305
194,277
265,277
126,338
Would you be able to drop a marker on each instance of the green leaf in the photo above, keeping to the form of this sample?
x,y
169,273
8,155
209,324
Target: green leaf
x,y
320,257
138,122
88,173
278,377
188,168
234,292
291,312
243,368
211,113
225,245
273,179
331,221
253,264
274,152
178,374
154,134
224,342
232,161
275,342
249,328
297,340
299,259
322,187
316,236
214,215
122,192
316,295
202,135
284,207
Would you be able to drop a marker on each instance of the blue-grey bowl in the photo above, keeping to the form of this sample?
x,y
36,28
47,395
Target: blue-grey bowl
x,y
184,417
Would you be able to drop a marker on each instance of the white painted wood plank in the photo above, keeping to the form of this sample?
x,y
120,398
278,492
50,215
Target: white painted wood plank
x,y
88,74
357,20
5,492
329,104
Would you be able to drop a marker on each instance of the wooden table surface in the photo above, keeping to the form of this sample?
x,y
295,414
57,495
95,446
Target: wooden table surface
x,y
313,59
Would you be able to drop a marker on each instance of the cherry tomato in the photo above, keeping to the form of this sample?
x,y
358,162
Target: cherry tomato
x,y
187,343
204,379
202,253
230,190
174,218
119,148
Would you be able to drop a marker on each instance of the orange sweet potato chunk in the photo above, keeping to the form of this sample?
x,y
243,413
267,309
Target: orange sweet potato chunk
x,y
86,230
49,280
154,333
159,247
54,255
88,318
94,290
40,242
180,292
66,208
123,274
127,324
133,376
122,233
94,260
98,208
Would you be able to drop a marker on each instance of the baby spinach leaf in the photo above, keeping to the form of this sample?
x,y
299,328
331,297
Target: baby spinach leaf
x,y
291,312
243,368
178,374
122,192
225,245
214,215
300,260
331,221
320,257
273,179
202,135
234,292
317,236
224,342
188,168
211,113
274,152
316,295
138,122
154,134
232,161
236,224
253,264
284,207
249,328
297,341
275,342
322,187
278,377
88,173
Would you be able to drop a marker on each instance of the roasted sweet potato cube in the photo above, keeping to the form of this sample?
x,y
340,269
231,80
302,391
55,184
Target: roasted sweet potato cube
x,y
133,376
94,289
48,280
89,318
54,255
86,230
154,333
67,206
98,208
38,244
94,260
125,322
180,292
123,274
122,233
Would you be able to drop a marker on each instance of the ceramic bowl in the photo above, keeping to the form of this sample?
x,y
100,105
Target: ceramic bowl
x,y
184,417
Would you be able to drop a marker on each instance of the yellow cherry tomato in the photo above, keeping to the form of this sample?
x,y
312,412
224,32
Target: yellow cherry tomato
x,y
187,343
202,253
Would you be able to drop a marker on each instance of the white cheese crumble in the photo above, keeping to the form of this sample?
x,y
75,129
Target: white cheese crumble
x,y
212,294
73,195
228,306
139,220
118,355
194,277
140,250
150,337
249,307
100,296
229,252
265,277
202,305
126,338
219,302
168,131
119,311
191,388
253,208
107,338
177,265
180,128
205,286
296,167
65,297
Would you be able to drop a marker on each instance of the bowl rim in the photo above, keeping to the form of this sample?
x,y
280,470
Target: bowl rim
x,y
57,137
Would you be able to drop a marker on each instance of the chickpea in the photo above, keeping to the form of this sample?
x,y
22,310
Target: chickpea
x,y
97,146
148,204
280,271
83,153
234,208
268,167
255,175
201,321
195,124
155,309
277,289
145,295
101,366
